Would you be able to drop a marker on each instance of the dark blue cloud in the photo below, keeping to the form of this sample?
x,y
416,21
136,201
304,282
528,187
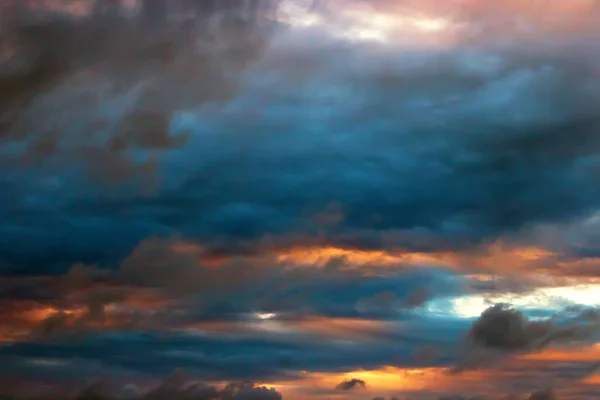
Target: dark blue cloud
x,y
272,356
451,176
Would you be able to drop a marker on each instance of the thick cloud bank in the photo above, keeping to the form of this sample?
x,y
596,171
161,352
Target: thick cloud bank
x,y
314,198
422,148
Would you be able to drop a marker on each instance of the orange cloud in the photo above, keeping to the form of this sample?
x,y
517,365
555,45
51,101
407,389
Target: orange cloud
x,y
593,380
583,354
496,258
87,307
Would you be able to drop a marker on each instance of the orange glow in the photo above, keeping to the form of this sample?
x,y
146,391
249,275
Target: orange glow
x,y
592,380
532,253
389,380
585,354
21,319
321,255
494,257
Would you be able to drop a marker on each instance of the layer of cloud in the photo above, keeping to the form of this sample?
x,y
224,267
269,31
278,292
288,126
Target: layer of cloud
x,y
303,205
464,141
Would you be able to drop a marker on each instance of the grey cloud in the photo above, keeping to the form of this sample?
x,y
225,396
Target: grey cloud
x,y
262,283
144,75
417,297
425,354
508,329
432,183
223,355
504,328
591,314
544,394
419,150
176,386
351,384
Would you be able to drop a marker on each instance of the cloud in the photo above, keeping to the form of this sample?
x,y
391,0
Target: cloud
x,y
504,328
268,206
502,331
175,386
351,384
265,283
545,394
123,92
458,189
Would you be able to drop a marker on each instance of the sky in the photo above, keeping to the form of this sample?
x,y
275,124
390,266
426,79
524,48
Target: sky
x,y
362,200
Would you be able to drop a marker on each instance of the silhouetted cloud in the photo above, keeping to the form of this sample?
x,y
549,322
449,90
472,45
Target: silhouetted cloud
x,y
504,328
351,384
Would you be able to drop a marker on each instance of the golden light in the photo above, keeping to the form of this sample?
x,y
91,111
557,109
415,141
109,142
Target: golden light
x,y
583,354
593,380
388,379
494,257
385,379
321,255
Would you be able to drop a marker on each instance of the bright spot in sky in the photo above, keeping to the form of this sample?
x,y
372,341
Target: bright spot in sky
x,y
430,24
361,24
266,315
549,299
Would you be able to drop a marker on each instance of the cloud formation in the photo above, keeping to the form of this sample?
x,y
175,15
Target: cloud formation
x,y
303,198
517,101
351,384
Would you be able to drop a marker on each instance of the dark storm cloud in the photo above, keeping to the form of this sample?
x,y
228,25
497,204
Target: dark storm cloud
x,y
93,99
505,328
502,330
462,145
508,329
214,356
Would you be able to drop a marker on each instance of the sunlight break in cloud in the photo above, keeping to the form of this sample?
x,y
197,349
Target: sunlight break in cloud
x,y
551,299
357,22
